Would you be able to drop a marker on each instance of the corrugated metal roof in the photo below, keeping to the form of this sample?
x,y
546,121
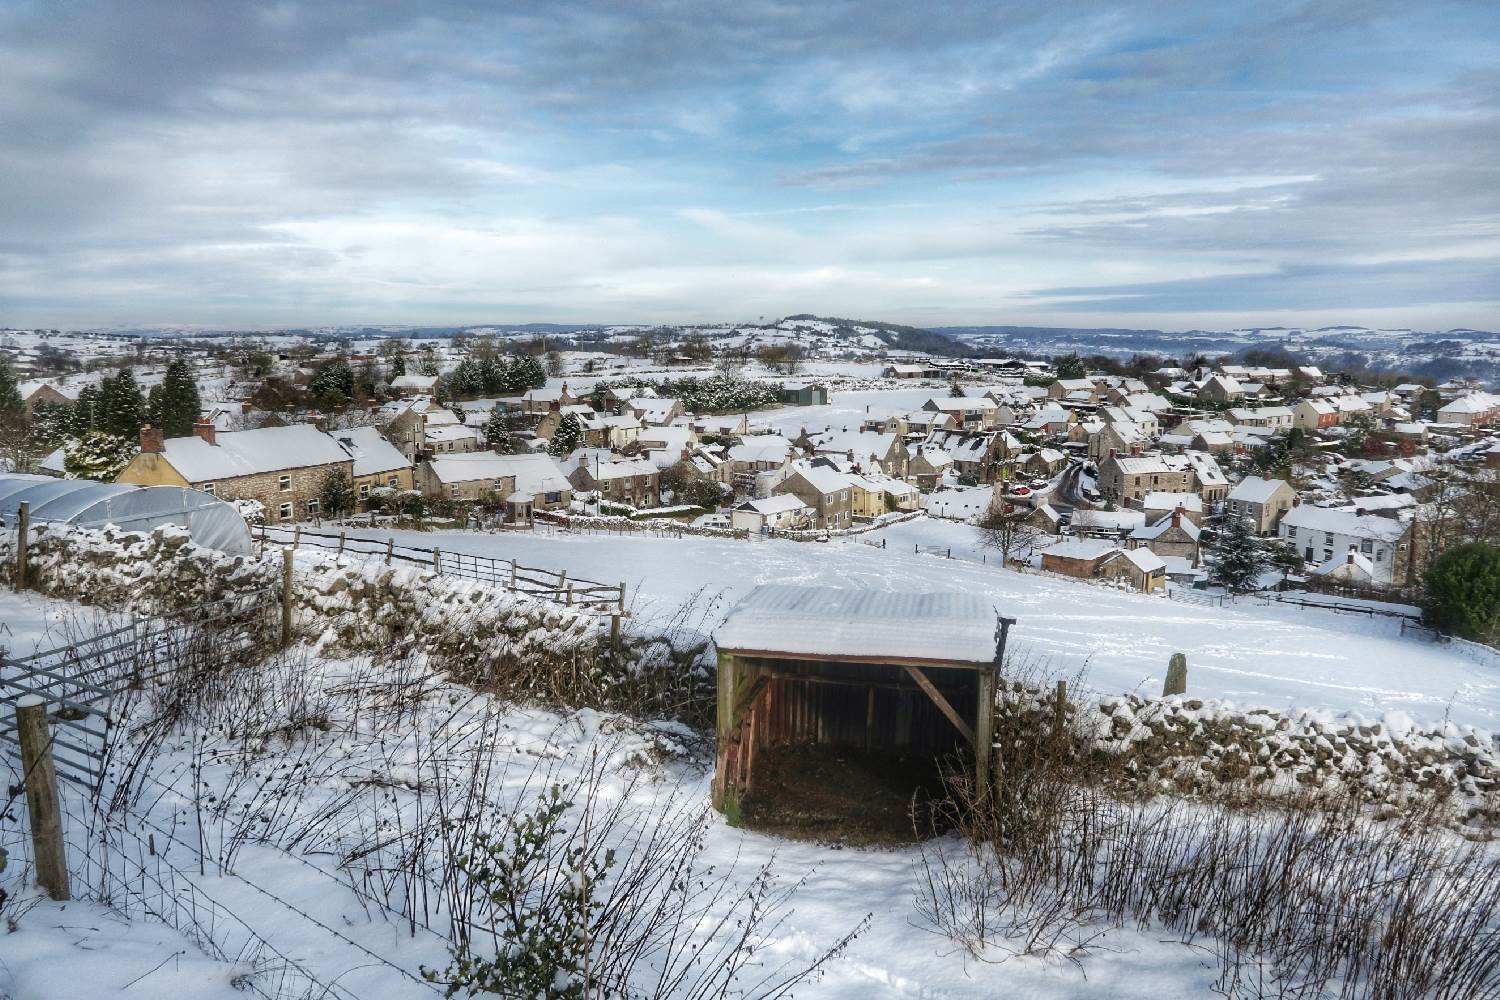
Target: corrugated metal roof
x,y
835,622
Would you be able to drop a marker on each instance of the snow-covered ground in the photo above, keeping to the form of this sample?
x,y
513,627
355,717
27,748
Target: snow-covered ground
x,y
72,951
1276,656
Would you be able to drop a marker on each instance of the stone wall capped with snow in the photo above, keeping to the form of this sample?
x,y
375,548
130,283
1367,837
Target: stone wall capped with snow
x,y
1216,750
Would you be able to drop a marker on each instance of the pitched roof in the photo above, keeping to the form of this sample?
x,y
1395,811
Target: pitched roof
x,y
1254,489
372,453
249,453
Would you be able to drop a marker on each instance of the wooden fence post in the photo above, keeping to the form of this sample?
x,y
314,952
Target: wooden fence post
x,y
296,536
341,542
512,574
1060,711
390,548
23,542
1176,682
437,560
42,804
286,597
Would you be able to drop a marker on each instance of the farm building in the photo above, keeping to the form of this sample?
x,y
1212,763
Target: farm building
x,y
83,503
851,683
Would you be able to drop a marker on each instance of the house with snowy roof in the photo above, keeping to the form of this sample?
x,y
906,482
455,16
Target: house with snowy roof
x,y
282,468
1321,534
782,511
1173,535
377,463
632,481
826,491
1264,501
477,474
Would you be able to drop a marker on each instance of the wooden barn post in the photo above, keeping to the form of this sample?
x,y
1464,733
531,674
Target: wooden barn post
x,y
286,597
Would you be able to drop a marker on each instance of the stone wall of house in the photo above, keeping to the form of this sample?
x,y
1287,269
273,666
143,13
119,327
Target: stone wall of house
x,y
304,485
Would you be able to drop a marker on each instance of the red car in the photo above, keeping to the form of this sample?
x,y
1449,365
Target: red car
x,y
1020,491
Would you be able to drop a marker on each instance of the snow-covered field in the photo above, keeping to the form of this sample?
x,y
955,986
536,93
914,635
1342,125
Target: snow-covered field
x,y
1277,656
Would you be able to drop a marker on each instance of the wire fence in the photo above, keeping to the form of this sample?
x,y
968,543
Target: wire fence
x,y
557,586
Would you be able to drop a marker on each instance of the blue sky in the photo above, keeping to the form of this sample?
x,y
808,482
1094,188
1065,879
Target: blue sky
x,y
1147,164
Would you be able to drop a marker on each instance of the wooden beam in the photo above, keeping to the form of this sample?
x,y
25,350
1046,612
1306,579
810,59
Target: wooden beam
x,y
942,703
895,661
748,696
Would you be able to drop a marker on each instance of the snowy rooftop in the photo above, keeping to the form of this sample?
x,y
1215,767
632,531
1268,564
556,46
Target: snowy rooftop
x,y
786,620
248,453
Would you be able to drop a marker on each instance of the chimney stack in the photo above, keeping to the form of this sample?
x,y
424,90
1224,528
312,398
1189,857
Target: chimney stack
x,y
1177,517
205,430
152,441
1350,558
1296,500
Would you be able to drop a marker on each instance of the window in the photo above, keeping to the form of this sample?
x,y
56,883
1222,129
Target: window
x,y
453,491
391,482
1380,555
1327,538
312,508
1291,531
1366,546
207,488
364,491
552,497
285,512
285,484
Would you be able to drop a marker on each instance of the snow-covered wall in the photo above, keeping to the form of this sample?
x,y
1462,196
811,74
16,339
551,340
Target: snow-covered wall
x,y
479,634
1216,750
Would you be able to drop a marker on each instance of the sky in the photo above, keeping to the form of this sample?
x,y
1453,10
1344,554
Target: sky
x,y
1161,164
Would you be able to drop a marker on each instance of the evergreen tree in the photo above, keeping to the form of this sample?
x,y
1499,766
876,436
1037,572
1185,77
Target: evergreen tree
x,y
12,408
336,495
398,366
1070,366
51,424
84,414
332,385
567,437
1463,590
499,433
121,410
1240,557
174,405
526,372
97,455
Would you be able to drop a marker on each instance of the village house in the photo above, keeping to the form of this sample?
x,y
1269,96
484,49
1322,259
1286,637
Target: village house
x,y
483,474
976,453
972,413
1064,388
781,512
1315,415
450,439
1161,505
1122,479
1119,438
1174,535
1320,534
867,451
654,411
410,386
927,465
1093,558
1278,418
281,468
1474,409
1264,501
827,492
627,481
1142,568
1220,389
539,401
804,394
377,463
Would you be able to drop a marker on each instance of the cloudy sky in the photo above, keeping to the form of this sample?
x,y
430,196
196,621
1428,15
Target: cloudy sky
x,y
1154,163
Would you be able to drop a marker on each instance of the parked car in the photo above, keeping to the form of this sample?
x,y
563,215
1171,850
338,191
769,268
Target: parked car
x,y
1020,491
1038,483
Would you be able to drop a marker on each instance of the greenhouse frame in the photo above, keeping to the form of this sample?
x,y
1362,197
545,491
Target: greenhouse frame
x,y
83,503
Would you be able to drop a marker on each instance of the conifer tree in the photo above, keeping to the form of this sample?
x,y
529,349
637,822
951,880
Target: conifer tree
x,y
12,408
567,437
1240,558
175,406
499,433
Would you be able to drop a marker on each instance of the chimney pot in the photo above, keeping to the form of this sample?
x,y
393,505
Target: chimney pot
x,y
152,440
205,430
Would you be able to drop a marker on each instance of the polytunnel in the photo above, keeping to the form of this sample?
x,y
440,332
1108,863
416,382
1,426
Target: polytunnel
x,y
84,503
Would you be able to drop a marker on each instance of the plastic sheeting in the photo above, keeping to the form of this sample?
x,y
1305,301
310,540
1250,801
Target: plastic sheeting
x,y
83,503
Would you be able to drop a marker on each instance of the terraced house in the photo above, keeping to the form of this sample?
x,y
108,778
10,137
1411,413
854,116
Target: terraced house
x,y
282,468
